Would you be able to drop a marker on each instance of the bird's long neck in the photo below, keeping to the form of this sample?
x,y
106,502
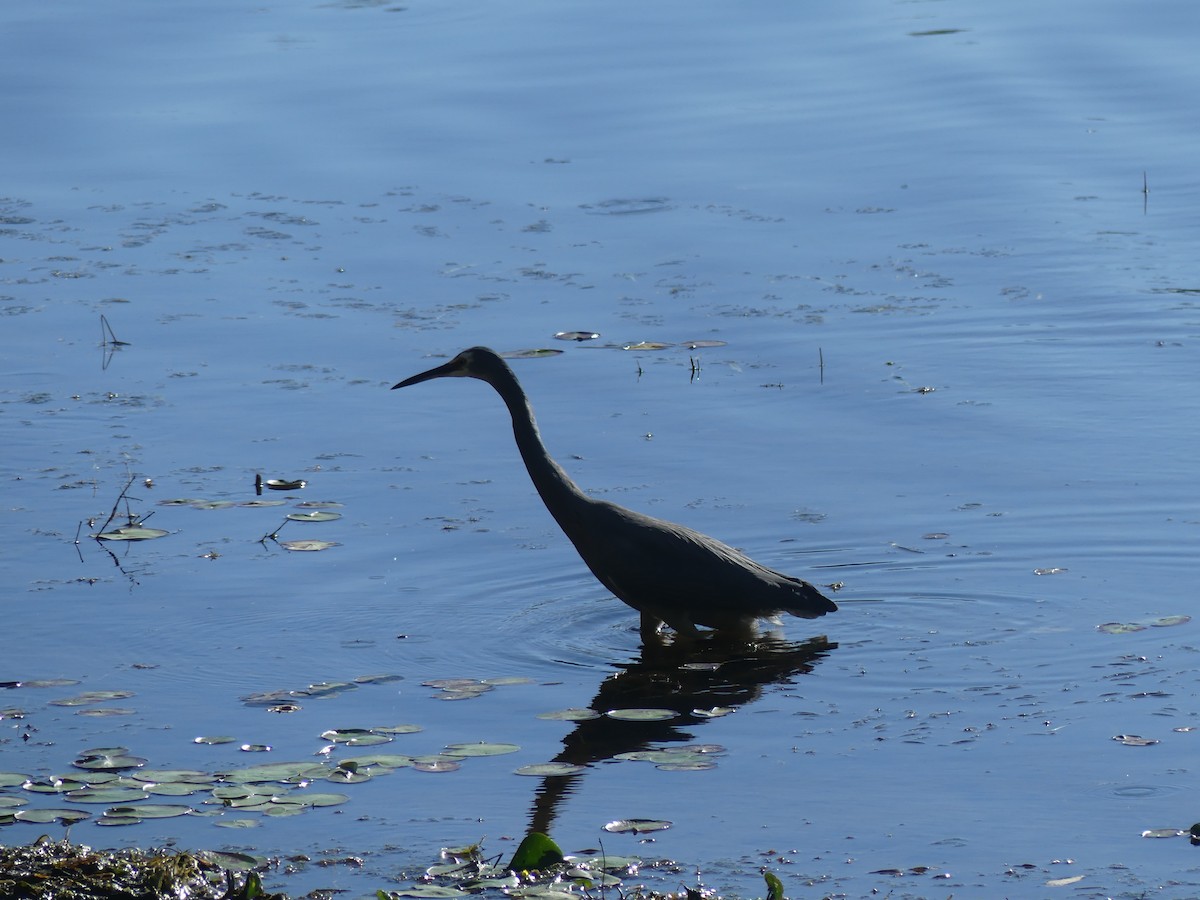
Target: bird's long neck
x,y
560,494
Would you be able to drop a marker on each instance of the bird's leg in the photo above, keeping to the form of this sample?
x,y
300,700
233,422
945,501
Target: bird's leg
x,y
651,629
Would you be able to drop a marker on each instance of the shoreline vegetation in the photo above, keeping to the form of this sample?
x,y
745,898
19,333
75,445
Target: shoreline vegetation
x,y
48,869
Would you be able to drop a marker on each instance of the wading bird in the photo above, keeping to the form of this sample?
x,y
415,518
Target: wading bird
x,y
667,572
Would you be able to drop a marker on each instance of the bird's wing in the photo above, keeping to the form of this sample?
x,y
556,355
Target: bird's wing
x,y
667,569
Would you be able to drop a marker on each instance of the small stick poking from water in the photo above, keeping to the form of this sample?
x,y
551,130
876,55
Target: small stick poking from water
x,y
1145,191
821,363
106,333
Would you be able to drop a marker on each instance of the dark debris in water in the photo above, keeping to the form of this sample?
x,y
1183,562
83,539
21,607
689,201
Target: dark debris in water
x,y
60,870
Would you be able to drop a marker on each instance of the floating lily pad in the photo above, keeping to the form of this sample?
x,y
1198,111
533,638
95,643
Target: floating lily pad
x,y
482,748
308,546
91,697
317,515
280,484
254,504
214,739
213,504
646,345
381,678
1163,833
104,712
530,354
637,826
319,504
431,891
12,779
543,770
180,501
701,345
382,760
108,759
150,810
573,714
436,764
106,795
1134,740
398,729
238,823
55,785
1130,627
642,715
47,816
185,776
132,533
576,336
354,737
713,712
268,772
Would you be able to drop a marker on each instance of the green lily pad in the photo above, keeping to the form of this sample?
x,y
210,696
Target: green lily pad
x,y
88,697
700,345
354,737
482,748
637,826
271,772
108,759
106,795
47,816
576,336
132,533
530,354
254,504
543,770
572,714
642,715
12,779
314,516
214,739
1134,740
646,345
382,760
150,810
430,892
319,504
398,729
308,546
238,823
436,764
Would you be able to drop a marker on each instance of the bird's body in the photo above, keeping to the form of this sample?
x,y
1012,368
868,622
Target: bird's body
x,y
669,573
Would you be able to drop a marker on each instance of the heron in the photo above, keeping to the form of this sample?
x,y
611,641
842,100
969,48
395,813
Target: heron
x,y
669,573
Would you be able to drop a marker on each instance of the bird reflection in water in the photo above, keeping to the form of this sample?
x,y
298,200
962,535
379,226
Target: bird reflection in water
x,y
687,678
671,574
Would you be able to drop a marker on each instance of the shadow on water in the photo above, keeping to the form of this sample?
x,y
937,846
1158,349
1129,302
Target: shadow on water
x,y
688,679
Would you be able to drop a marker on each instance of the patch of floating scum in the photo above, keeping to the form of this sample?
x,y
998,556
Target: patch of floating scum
x,y
60,870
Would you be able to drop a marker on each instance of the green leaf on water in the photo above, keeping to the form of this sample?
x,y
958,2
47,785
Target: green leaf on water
x,y
132,533
774,886
536,851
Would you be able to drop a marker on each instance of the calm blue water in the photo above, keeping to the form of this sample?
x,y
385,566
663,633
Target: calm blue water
x,y
285,210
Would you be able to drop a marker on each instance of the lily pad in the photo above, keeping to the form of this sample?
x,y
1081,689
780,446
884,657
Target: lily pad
x,y
280,484
646,345
317,515
530,354
701,345
214,739
319,504
308,546
576,336
482,748
642,715
436,764
108,759
1134,740
150,810
637,826
47,816
572,714
132,533
549,769
354,737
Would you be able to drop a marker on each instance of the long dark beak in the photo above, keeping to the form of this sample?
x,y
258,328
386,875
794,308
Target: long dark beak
x,y
442,371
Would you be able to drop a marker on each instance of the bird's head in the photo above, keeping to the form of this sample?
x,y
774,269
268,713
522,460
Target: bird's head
x,y
476,362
